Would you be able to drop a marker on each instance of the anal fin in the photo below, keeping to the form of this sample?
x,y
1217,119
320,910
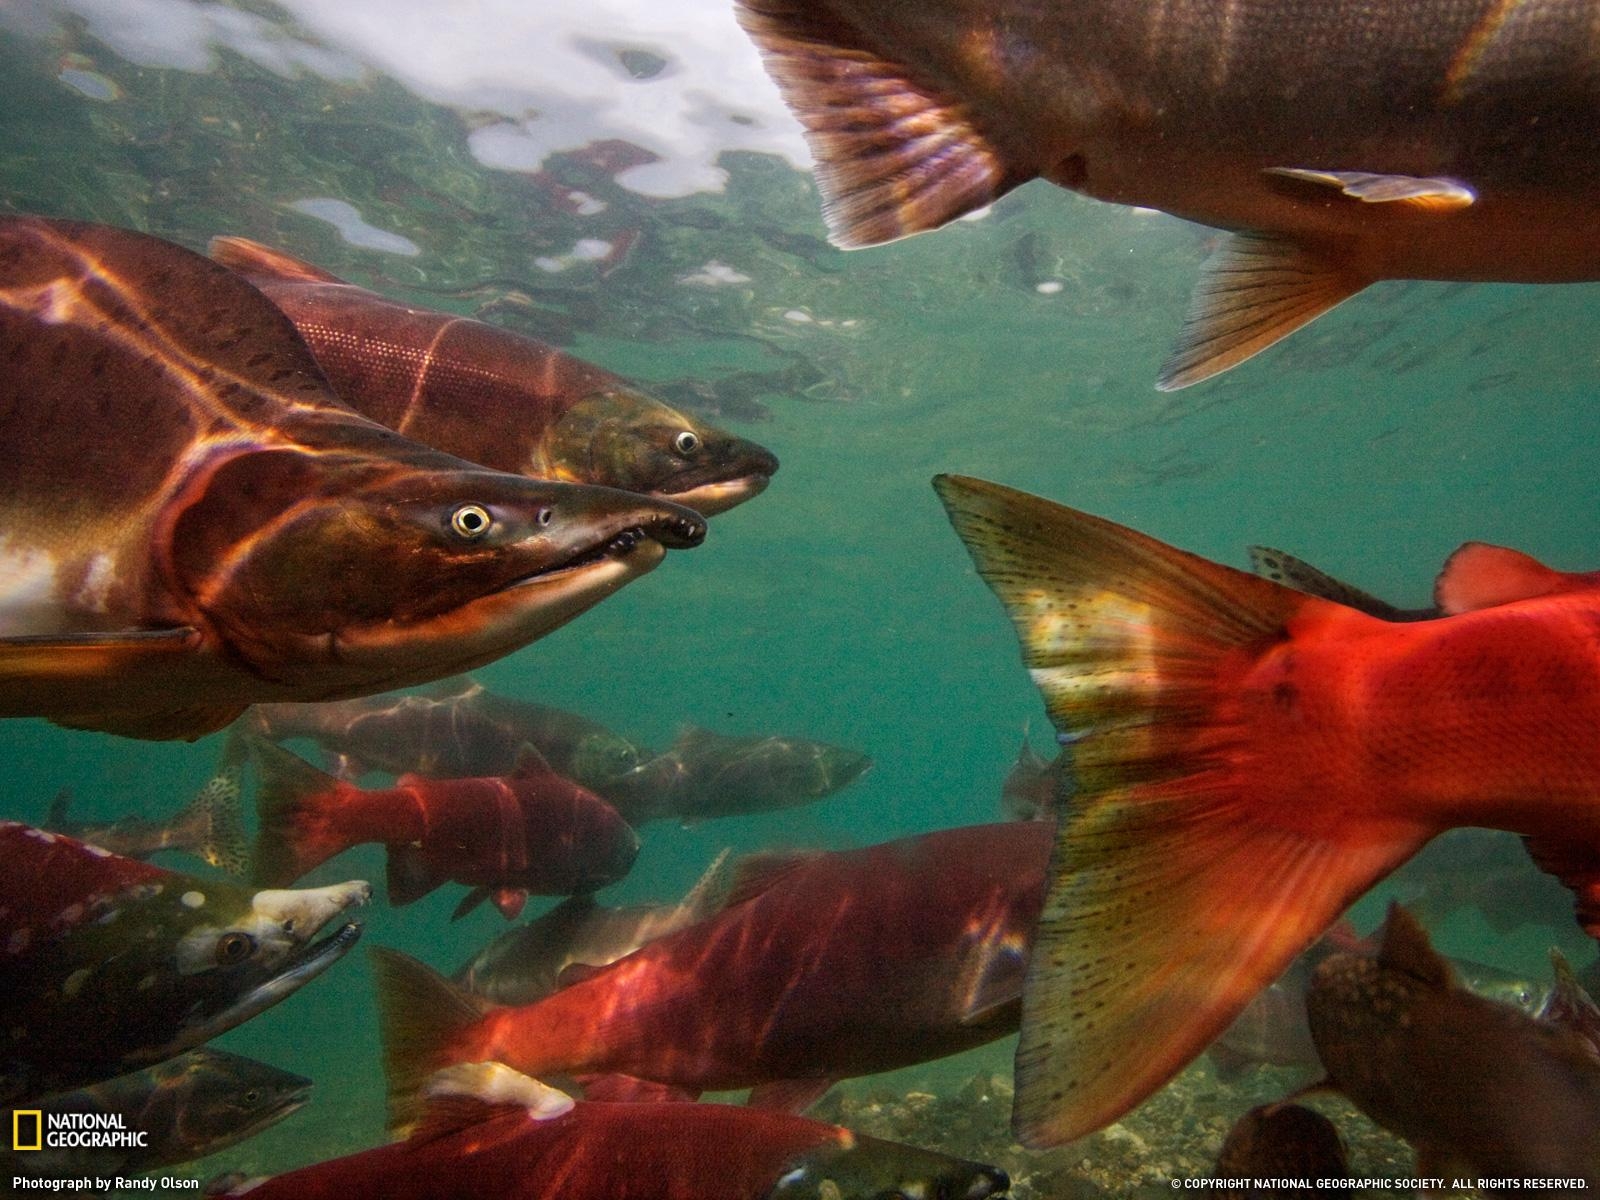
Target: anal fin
x,y
1257,289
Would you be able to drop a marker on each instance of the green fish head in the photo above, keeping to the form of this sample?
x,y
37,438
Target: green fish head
x,y
161,968
627,440
864,1168
364,574
600,758
210,1100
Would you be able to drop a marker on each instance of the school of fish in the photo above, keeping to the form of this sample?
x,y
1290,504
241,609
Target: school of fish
x,y
320,495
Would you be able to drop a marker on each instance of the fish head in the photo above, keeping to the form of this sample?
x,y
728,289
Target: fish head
x,y
864,1168
778,770
628,440
216,1099
599,758
160,967
603,846
1503,987
354,574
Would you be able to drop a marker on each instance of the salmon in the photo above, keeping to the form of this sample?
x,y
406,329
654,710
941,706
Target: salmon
x,y
499,398
192,521
1340,143
491,1131
1249,760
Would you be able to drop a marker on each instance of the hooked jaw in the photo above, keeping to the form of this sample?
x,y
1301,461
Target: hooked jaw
x,y
756,466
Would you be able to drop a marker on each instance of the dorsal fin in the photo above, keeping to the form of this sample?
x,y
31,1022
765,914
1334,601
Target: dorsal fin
x,y
1405,947
255,261
710,892
1303,577
1479,575
758,873
468,1094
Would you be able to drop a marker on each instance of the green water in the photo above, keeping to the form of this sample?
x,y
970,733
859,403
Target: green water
x,y
837,606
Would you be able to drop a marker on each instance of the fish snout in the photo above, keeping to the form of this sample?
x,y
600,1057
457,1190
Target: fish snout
x,y
676,528
300,912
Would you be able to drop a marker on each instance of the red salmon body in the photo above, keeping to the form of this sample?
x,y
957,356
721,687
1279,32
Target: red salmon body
x,y
600,1151
822,966
531,832
1248,760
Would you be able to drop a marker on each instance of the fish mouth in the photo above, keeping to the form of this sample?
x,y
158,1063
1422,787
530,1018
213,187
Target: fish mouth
x,y
719,495
670,531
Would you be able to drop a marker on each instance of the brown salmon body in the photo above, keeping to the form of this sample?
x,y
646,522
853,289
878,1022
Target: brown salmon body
x,y
498,398
1477,1088
192,522
455,730
1446,139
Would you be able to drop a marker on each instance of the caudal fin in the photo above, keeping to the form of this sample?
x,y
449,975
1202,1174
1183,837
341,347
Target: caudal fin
x,y
1177,893
216,823
420,1014
293,834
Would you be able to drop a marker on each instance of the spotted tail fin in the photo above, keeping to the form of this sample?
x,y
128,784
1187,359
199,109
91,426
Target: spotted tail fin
x,y
1178,891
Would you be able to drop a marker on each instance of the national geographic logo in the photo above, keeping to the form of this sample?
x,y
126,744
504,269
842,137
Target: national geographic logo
x,y
27,1129
32,1129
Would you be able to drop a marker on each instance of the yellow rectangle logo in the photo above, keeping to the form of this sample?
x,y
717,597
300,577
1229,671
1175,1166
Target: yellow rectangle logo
x,y
20,1119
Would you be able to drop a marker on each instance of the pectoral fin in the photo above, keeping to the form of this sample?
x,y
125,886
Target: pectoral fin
x,y
1430,193
1257,289
894,156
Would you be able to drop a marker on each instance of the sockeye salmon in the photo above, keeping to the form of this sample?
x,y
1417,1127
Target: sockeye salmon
x,y
527,963
1248,761
1480,1090
192,522
498,398
490,1131
531,831
108,964
1345,142
453,729
821,966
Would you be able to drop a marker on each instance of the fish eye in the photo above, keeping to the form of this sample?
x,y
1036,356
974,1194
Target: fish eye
x,y
545,516
687,442
471,521
252,1096
235,947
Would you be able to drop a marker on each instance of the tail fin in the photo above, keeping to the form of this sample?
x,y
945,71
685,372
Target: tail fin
x,y
218,824
420,1014
294,834
255,261
1177,894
